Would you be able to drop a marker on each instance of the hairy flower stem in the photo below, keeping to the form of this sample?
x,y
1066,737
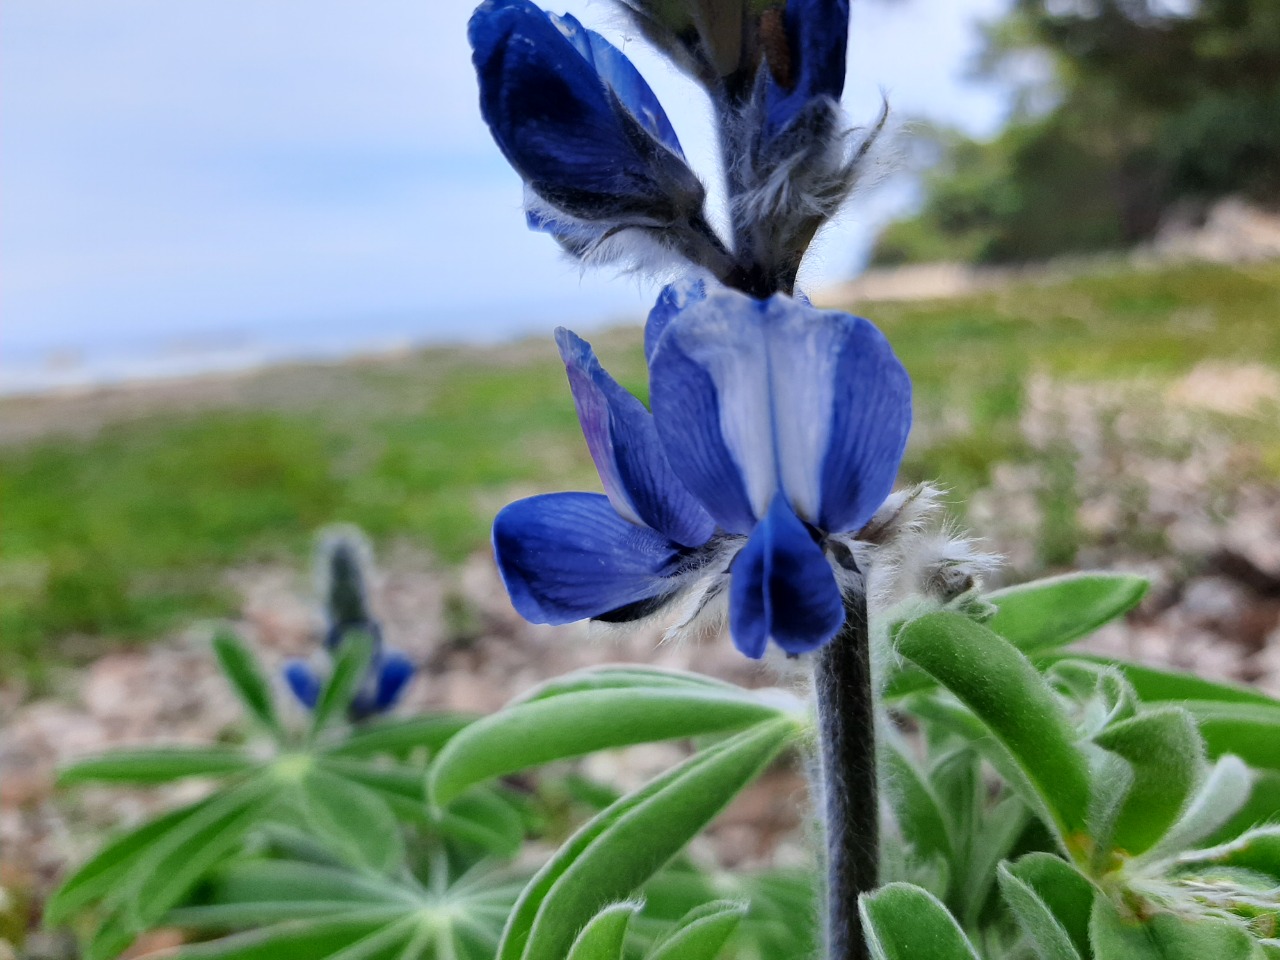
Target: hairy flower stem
x,y
846,782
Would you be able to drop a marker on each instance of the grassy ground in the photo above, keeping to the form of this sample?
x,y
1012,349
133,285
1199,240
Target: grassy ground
x,y
118,532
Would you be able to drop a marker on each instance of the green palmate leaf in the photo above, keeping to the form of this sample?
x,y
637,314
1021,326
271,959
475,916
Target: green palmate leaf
x,y
605,934
903,922
626,844
1222,794
1166,756
915,806
321,939
171,877
400,737
484,818
701,934
158,765
242,669
1052,612
113,863
1164,936
1046,614
1049,938
1066,893
350,668
1251,731
1154,685
577,722
351,818
1015,704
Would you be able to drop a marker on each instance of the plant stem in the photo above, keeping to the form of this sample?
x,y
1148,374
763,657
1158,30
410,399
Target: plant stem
x,y
846,782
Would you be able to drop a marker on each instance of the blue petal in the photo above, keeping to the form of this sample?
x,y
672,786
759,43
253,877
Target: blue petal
x,y
628,455
818,38
394,674
558,124
752,397
782,588
673,298
569,556
708,384
870,419
623,79
303,682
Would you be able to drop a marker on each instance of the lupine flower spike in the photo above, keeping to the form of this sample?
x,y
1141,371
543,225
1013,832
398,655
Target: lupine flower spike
x,y
344,568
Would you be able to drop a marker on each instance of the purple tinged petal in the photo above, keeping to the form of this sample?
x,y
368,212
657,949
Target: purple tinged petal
x,y
624,444
782,588
673,298
569,556
303,682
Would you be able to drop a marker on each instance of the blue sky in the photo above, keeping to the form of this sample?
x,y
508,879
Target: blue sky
x,y
263,177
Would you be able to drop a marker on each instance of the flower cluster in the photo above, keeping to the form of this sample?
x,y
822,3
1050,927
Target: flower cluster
x,y
777,429
342,569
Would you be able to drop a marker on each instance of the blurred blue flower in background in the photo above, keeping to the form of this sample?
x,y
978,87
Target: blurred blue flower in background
x,y
777,432
344,569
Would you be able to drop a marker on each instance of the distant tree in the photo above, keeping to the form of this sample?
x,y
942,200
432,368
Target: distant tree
x,y
1152,104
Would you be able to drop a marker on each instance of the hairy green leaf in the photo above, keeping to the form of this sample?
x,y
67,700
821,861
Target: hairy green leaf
x,y
1049,613
158,765
350,670
242,669
1166,755
534,732
605,934
701,934
1049,938
1066,893
1015,704
904,922
627,843
1251,731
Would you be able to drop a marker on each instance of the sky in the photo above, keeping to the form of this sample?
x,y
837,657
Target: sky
x,y
215,182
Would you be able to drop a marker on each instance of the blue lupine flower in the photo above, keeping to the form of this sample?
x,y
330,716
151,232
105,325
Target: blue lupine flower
x,y
776,433
580,125
344,562
388,675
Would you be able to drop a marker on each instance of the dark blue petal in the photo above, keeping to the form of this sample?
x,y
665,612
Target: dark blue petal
x,y
870,420
569,556
394,674
303,682
561,127
752,397
673,298
628,455
623,79
818,38
782,588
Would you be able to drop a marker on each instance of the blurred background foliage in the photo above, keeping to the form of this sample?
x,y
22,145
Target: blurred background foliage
x,y
1127,112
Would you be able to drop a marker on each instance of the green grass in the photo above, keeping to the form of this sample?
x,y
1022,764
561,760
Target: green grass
x,y
126,532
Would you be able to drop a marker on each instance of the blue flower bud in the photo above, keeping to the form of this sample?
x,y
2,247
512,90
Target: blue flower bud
x,y
303,682
576,120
